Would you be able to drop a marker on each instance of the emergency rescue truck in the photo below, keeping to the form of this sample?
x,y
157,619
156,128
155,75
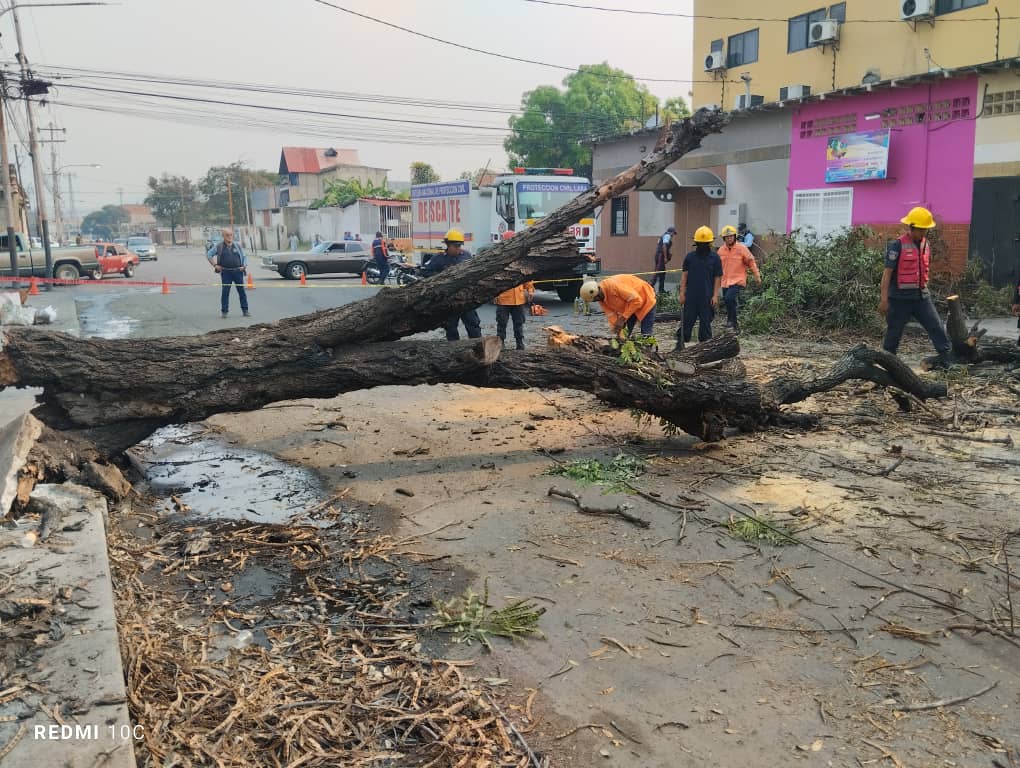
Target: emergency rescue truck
x,y
513,202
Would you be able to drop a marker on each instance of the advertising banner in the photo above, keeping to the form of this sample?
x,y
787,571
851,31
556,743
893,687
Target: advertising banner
x,y
857,156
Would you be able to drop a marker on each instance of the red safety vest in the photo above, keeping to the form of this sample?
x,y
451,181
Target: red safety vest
x,y
912,270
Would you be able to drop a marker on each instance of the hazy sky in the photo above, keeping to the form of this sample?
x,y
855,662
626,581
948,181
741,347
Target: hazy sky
x,y
303,44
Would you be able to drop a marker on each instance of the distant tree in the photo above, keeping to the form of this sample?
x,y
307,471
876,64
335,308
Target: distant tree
x,y
171,198
344,192
674,108
598,100
213,188
423,173
106,222
475,176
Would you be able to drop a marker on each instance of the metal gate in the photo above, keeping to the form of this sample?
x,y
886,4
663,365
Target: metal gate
x,y
995,228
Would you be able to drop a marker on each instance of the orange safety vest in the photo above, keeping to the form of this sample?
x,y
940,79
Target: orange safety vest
x,y
515,296
912,268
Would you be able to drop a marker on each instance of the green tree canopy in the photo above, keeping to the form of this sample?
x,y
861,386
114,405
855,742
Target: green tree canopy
x,y
106,222
674,108
213,187
423,173
171,199
598,100
344,192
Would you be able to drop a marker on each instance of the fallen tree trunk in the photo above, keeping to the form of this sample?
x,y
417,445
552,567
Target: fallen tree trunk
x,y
181,379
969,345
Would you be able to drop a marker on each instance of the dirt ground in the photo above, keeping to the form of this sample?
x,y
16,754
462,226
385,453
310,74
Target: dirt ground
x,y
681,644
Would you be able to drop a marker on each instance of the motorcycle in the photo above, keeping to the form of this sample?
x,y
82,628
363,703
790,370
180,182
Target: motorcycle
x,y
400,272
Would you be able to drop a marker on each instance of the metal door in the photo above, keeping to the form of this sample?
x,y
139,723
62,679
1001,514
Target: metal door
x,y
995,228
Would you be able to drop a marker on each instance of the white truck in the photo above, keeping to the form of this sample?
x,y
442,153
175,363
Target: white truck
x,y
514,202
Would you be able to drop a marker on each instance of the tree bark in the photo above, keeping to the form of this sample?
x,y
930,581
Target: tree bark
x,y
969,344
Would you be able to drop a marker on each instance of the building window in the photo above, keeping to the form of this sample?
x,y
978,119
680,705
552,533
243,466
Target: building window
x,y
948,6
620,217
940,111
822,212
799,27
717,45
828,126
742,49
293,179
1002,103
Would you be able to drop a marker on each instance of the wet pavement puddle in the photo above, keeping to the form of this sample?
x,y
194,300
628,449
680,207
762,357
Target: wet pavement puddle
x,y
217,481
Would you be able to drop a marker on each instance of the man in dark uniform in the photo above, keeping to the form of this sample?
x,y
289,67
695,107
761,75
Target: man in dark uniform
x,y
905,292
381,257
663,254
700,282
454,254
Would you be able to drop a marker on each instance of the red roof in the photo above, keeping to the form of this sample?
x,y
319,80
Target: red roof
x,y
313,160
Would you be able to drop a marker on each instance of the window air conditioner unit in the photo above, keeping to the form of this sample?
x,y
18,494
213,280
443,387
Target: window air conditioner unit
x,y
715,61
917,9
794,92
742,102
822,32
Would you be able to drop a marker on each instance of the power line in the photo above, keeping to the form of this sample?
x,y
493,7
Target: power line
x,y
495,54
676,14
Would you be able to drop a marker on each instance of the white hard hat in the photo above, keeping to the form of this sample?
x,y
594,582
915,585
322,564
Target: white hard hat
x,y
589,290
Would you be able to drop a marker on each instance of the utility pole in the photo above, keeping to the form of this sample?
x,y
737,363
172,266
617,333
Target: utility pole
x,y
12,247
230,203
70,199
120,193
57,218
33,148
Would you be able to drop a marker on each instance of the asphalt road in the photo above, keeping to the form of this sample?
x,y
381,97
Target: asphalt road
x,y
116,307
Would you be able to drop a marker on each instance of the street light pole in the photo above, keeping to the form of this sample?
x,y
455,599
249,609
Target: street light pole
x,y
33,148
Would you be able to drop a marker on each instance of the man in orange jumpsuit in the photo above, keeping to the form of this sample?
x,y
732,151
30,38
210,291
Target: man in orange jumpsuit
x,y
736,260
626,300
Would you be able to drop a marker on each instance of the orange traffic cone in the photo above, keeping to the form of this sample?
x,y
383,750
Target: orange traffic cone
x,y
166,286
364,278
33,287
304,282
251,282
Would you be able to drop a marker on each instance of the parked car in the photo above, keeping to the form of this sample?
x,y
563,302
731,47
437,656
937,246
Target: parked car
x,y
113,260
143,246
67,263
345,257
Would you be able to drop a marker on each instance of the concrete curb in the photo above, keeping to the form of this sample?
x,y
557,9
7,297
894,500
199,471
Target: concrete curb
x,y
16,440
72,667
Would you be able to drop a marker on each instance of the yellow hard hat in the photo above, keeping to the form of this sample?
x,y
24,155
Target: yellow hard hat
x,y
729,229
920,218
589,290
703,235
454,236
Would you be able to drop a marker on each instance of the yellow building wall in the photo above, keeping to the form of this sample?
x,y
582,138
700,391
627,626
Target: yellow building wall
x,y
997,139
895,49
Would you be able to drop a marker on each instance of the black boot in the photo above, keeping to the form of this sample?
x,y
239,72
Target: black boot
x,y
520,343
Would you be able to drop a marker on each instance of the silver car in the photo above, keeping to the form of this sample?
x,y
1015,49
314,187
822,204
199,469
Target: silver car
x,y
345,257
143,246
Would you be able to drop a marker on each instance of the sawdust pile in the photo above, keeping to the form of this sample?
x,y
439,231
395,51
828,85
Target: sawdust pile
x,y
334,677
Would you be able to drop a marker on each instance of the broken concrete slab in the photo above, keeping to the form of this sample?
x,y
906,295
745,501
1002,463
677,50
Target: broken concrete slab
x,y
16,440
62,663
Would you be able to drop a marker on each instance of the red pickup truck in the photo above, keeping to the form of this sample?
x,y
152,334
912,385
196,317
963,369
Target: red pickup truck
x,y
114,259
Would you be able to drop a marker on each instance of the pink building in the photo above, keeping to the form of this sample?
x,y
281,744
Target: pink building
x,y
930,160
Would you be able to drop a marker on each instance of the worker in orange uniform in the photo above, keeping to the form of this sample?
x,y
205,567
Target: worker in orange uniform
x,y
626,300
736,260
510,304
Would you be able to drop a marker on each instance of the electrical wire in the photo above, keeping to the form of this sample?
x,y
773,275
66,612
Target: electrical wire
x,y
484,52
676,14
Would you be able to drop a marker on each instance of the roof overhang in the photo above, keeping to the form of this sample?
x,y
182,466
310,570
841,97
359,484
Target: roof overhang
x,y
665,184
